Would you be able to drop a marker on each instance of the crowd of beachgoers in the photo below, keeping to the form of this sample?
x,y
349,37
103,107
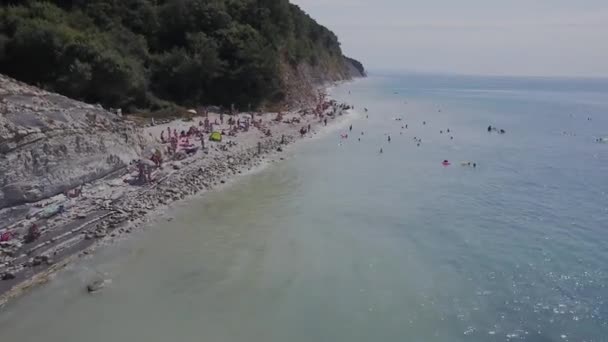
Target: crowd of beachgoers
x,y
186,156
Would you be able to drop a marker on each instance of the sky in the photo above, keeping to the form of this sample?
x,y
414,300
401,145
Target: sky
x,y
486,37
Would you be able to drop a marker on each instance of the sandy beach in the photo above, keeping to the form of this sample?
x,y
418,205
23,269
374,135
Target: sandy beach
x,y
110,208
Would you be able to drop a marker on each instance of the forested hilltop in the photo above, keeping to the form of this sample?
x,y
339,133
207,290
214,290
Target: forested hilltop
x,y
148,54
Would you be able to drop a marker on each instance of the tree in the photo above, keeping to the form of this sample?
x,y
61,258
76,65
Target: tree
x,y
140,53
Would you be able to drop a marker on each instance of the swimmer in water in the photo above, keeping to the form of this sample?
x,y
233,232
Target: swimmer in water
x,y
389,138
424,122
381,150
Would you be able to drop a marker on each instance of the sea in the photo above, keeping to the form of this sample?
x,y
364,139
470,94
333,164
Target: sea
x,y
340,242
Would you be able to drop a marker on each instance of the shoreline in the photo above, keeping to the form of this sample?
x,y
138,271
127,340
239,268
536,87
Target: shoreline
x,y
111,210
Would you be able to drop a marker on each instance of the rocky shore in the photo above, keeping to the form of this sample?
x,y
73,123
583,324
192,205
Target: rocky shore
x,y
108,208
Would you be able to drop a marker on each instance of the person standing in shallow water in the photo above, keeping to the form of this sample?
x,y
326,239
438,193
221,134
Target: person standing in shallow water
x,y
389,138
350,128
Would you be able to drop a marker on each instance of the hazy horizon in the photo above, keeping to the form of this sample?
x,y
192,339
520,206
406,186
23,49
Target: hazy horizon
x,y
556,38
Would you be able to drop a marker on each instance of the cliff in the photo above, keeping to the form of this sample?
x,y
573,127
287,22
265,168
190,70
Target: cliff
x,y
301,82
140,55
49,143
149,54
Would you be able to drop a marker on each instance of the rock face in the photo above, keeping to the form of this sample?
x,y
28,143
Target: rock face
x,y
356,69
49,143
302,81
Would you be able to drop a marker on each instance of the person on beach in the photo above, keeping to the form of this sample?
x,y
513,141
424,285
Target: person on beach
x,y
173,145
490,128
33,233
157,158
162,137
325,121
308,127
6,236
145,173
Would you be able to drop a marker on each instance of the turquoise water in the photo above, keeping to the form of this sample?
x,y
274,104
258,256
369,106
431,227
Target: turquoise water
x,y
341,243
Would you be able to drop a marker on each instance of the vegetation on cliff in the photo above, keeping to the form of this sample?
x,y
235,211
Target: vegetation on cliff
x,y
150,53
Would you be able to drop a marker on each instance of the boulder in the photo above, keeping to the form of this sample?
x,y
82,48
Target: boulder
x,y
96,285
8,276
